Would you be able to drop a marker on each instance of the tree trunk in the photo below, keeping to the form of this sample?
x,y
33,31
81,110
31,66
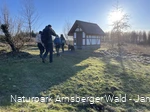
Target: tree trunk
x,y
8,39
30,31
11,44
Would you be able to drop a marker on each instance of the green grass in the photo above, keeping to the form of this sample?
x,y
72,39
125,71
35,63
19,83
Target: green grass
x,y
82,73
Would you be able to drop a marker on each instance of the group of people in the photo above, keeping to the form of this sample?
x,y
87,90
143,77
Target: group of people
x,y
45,43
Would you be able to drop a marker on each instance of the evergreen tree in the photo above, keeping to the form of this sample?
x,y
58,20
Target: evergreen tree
x,y
134,37
140,37
144,38
149,38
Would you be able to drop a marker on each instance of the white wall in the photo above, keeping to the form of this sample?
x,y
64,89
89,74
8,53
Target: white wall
x,y
83,35
83,41
92,40
88,41
97,40
74,35
78,29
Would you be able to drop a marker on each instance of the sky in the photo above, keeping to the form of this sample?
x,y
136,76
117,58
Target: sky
x,y
57,12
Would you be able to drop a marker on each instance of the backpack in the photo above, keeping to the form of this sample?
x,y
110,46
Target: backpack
x,y
44,36
57,41
63,41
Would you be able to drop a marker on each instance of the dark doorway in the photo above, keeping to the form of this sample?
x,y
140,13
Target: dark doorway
x,y
79,40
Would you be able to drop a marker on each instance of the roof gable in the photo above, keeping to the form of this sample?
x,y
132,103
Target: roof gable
x,y
88,28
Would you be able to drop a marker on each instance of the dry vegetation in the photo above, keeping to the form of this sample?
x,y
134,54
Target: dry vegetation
x,y
131,48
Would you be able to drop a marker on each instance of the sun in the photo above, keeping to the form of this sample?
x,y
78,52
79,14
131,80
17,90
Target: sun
x,y
115,16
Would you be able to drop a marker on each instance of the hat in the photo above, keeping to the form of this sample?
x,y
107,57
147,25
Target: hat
x,y
49,25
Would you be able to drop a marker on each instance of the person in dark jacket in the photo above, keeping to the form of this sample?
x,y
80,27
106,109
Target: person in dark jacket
x,y
48,32
63,41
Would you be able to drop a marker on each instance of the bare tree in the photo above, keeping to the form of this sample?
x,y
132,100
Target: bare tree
x,y
12,29
66,29
7,19
113,38
121,23
127,37
5,15
29,14
5,27
19,37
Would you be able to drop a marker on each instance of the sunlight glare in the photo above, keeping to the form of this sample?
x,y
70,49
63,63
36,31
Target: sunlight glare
x,y
115,16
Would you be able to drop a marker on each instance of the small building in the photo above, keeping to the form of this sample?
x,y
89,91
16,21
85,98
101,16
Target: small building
x,y
86,34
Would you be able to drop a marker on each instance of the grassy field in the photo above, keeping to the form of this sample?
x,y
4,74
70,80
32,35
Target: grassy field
x,y
83,73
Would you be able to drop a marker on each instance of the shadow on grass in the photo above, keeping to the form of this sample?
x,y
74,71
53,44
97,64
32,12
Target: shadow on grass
x,y
28,76
127,82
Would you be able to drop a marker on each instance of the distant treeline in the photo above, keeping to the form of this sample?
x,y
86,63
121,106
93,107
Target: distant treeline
x,y
134,37
21,34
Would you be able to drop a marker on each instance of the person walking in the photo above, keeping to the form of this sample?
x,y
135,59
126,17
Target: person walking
x,y
57,43
63,41
39,43
48,43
